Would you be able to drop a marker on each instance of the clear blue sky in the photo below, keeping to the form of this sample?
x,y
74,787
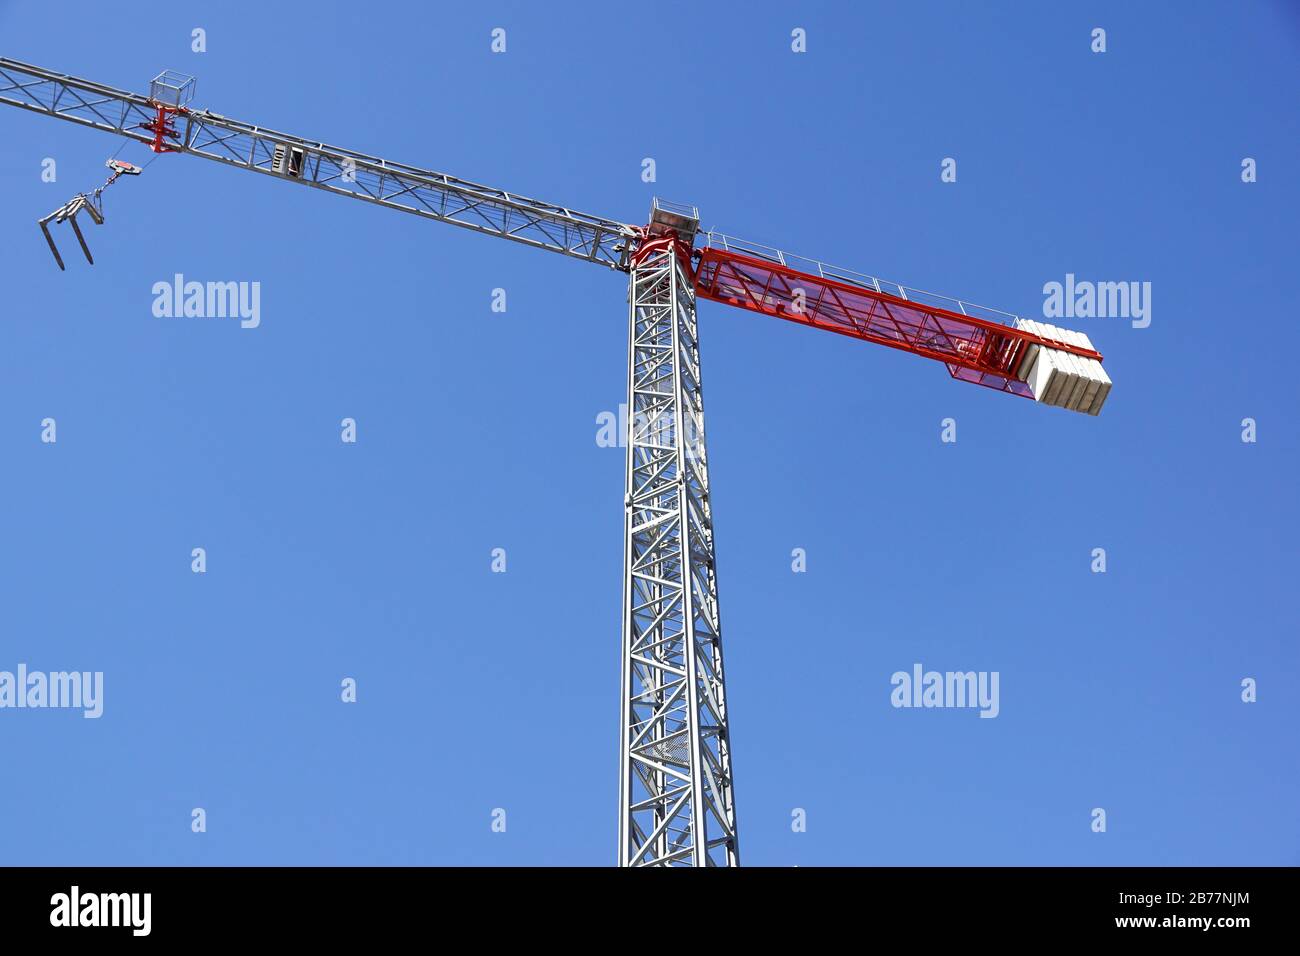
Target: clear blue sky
x,y
477,430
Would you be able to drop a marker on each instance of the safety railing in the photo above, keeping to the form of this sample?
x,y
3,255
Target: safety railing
x,y
717,240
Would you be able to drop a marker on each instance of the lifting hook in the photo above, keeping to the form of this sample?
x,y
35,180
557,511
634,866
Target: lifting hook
x,y
92,205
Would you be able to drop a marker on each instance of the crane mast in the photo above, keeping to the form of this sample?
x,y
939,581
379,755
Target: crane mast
x,y
676,803
676,781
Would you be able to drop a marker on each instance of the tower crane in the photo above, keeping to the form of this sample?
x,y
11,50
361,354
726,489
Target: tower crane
x,y
676,791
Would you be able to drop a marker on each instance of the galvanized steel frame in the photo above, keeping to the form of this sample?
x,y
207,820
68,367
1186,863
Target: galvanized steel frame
x,y
331,168
676,801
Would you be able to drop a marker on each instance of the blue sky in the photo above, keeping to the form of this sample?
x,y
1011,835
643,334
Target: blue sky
x,y
477,431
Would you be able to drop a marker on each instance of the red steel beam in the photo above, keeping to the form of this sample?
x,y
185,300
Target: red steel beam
x,y
975,350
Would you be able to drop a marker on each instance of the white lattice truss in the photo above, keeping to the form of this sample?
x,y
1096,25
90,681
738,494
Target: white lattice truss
x,y
676,800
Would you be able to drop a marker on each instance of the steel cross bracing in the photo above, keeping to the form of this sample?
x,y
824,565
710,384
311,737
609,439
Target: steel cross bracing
x,y
676,805
978,344
331,168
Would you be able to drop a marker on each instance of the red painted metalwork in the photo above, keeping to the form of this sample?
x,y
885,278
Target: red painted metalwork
x,y
162,128
662,239
975,350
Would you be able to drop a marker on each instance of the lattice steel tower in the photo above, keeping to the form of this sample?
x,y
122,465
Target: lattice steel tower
x,y
676,801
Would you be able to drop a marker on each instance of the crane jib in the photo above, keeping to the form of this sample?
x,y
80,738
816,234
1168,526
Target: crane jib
x,y
975,350
163,122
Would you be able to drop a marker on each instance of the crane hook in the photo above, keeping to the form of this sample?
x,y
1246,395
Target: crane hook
x,y
92,205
